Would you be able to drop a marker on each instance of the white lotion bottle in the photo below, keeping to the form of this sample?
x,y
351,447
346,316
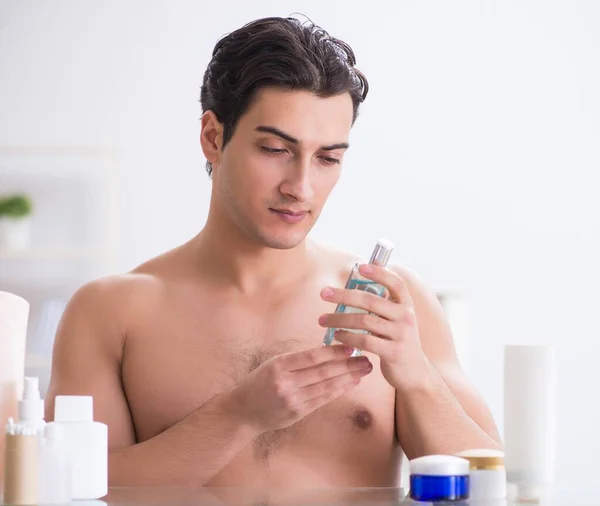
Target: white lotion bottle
x,y
55,473
86,443
530,412
31,407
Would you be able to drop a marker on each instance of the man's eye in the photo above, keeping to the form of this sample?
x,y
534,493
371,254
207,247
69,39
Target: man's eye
x,y
329,161
274,151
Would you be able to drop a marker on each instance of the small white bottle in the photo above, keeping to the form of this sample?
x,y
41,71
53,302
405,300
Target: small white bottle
x,y
31,407
87,445
55,485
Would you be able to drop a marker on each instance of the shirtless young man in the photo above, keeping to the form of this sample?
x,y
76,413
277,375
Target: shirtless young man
x,y
207,362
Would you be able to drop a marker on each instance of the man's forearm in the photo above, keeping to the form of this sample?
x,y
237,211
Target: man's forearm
x,y
430,420
190,452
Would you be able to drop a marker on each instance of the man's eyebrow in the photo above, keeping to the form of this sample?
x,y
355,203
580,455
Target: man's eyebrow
x,y
293,140
278,133
341,145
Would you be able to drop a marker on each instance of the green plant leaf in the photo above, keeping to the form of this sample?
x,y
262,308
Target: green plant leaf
x,y
15,206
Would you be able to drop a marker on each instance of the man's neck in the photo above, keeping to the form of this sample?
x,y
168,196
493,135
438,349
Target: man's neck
x,y
230,255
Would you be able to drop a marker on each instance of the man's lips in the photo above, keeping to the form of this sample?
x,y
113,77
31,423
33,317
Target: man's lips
x,y
288,211
290,216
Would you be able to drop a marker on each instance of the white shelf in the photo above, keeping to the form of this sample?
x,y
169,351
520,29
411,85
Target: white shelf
x,y
55,254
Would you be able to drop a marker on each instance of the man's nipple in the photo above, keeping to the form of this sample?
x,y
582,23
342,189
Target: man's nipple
x,y
362,418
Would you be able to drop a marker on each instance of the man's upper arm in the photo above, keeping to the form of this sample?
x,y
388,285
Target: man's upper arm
x,y
437,343
87,358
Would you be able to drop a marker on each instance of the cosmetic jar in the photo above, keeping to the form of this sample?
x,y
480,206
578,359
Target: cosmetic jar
x,y
439,478
487,474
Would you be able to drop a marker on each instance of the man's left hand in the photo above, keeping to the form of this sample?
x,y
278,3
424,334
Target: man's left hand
x,y
391,325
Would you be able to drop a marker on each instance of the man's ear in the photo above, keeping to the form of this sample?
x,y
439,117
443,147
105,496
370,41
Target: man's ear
x,y
211,137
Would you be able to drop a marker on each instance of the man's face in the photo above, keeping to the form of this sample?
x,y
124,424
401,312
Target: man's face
x,y
277,171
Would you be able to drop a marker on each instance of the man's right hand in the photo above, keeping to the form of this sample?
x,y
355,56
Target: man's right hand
x,y
288,387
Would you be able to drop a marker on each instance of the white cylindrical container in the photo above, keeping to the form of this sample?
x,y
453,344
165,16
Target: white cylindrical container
x,y
55,478
14,316
31,407
487,474
530,411
87,445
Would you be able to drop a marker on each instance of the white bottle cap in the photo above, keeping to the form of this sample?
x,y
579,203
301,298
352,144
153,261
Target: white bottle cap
x,y
54,432
74,408
439,465
31,407
381,253
384,243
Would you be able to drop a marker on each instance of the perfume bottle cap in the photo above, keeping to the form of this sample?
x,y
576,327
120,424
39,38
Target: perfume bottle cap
x,y
382,252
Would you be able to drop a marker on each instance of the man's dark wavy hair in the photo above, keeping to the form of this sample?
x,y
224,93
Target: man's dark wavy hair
x,y
283,53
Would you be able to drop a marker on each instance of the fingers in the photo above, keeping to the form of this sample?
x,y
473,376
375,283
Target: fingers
x,y
362,300
365,342
359,321
320,400
335,384
393,282
315,356
331,369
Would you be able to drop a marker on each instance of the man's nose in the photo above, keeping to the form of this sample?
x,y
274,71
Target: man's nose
x,y
298,183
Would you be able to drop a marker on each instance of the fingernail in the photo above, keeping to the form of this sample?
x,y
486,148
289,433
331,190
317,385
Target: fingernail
x,y
366,269
349,350
322,319
327,292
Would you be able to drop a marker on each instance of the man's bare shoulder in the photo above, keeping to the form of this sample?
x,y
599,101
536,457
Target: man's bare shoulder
x,y
126,295
114,290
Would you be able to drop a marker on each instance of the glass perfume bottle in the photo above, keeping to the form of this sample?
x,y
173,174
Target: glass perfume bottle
x,y
380,256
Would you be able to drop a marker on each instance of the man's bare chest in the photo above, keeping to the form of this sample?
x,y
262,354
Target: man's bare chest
x,y
181,362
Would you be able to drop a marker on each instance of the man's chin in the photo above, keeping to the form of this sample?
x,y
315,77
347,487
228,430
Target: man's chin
x,y
282,241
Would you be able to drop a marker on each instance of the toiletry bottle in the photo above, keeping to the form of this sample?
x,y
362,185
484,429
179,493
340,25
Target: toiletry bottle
x,y
530,419
20,465
31,407
380,256
87,445
55,480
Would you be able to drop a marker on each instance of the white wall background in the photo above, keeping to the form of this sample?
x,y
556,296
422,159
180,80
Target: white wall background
x,y
477,151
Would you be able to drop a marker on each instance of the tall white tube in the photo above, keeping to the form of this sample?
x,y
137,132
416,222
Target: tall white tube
x,y
14,315
530,411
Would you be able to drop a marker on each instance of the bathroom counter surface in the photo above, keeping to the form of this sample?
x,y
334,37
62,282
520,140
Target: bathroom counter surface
x,y
158,496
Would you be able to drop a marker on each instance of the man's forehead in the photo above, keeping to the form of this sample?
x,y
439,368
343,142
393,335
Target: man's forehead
x,y
299,113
